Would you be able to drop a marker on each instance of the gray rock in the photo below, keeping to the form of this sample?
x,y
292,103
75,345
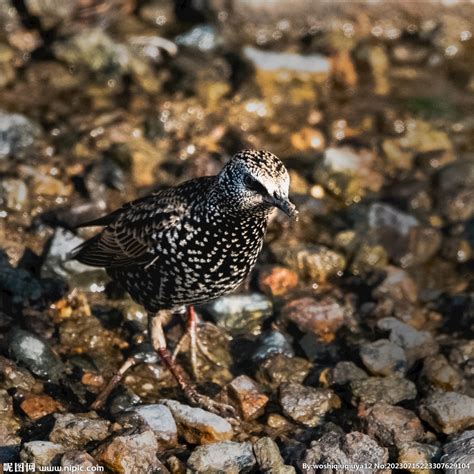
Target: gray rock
x,y
43,453
416,344
269,459
17,134
271,343
58,264
241,314
75,430
383,357
460,449
340,448
438,373
13,194
35,354
307,405
20,284
12,376
199,426
83,461
448,412
159,419
391,390
226,456
345,372
392,425
202,37
276,370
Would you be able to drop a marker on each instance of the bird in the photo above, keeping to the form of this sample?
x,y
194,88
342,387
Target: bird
x,y
189,244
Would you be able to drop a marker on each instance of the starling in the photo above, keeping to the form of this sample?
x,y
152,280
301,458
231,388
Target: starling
x,y
189,244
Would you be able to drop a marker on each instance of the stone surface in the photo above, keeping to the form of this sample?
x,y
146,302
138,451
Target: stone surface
x,y
248,396
392,425
390,390
279,369
43,453
80,460
17,134
276,280
307,405
440,374
13,194
345,372
383,357
271,343
460,449
413,453
269,459
226,456
37,406
448,412
75,430
198,426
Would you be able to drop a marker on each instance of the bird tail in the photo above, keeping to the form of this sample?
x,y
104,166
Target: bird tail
x,y
89,253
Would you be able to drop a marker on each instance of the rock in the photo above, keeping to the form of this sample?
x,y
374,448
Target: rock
x,y
12,376
455,196
276,281
35,354
413,453
226,456
269,459
17,134
201,37
81,460
272,343
160,420
383,357
130,453
13,194
460,449
391,425
37,406
439,374
75,430
316,262
52,12
336,447
43,453
57,263
349,173
307,405
9,425
391,390
416,344
248,396
322,317
241,314
367,258
448,412
345,372
280,368
198,426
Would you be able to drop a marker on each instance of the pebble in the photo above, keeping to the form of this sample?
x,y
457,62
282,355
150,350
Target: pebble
x,y
13,194
130,453
271,343
43,453
416,344
217,458
9,424
391,390
448,412
392,425
12,376
198,426
439,373
280,368
269,459
337,447
79,460
75,430
412,453
35,354
160,420
322,317
37,406
460,449
345,372
276,280
248,396
383,357
241,314
17,134
307,405
202,37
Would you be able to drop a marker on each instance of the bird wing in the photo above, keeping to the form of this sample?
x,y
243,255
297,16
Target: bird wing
x,y
133,232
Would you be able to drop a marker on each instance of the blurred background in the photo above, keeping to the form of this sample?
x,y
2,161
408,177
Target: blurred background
x,y
369,104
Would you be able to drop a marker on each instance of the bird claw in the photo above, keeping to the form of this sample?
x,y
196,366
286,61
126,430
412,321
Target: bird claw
x,y
206,403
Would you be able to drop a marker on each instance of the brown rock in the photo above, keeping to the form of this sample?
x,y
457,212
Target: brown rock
x,y
249,397
276,281
439,373
37,406
281,368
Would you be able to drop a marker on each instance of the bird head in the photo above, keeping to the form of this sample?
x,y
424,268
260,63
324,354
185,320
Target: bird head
x,y
257,179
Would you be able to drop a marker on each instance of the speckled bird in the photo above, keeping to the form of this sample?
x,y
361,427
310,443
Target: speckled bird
x,y
194,242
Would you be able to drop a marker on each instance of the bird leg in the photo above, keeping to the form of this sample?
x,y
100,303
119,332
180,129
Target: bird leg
x,y
195,344
158,342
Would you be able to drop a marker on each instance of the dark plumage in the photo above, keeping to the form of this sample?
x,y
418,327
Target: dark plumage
x,y
193,242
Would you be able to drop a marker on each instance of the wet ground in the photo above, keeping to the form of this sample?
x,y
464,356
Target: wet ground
x,y
352,341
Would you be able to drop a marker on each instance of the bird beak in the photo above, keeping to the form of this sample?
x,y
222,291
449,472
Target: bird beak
x,y
285,205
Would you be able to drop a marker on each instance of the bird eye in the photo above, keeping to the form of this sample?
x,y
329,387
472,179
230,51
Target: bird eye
x,y
254,185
